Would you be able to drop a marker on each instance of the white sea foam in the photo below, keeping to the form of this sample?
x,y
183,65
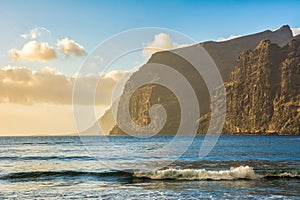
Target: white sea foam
x,y
287,174
242,172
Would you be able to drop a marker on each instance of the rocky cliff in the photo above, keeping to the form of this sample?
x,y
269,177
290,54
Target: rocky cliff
x,y
263,92
224,55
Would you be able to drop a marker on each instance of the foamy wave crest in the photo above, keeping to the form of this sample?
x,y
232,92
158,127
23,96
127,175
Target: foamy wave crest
x,y
280,174
242,172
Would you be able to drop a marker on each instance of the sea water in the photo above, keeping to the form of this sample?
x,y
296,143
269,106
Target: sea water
x,y
238,167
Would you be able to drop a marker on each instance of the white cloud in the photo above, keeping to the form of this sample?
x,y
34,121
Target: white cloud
x,y
99,59
68,47
34,33
114,75
21,85
296,31
222,39
34,50
161,42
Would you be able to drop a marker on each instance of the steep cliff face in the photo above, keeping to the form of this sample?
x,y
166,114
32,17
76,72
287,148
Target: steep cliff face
x,y
263,92
286,117
152,94
141,102
224,55
252,89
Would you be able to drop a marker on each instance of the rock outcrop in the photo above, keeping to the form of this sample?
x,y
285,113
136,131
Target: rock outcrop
x,y
263,92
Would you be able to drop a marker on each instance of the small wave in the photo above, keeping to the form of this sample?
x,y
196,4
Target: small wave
x,y
242,172
62,174
279,173
298,138
14,158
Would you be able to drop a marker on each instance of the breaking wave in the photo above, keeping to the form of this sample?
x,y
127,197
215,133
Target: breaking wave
x,y
242,172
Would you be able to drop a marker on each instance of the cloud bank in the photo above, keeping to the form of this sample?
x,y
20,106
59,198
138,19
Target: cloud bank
x,y
21,85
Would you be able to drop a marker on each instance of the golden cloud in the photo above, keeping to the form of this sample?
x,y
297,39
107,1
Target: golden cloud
x,y
69,47
161,42
34,50
23,86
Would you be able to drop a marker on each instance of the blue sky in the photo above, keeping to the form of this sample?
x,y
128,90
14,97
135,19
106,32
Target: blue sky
x,y
95,20
90,22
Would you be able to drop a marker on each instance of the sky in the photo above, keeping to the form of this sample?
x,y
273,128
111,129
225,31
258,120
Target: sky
x,y
44,43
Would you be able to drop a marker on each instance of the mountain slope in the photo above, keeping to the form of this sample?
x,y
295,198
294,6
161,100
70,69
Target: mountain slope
x,y
224,54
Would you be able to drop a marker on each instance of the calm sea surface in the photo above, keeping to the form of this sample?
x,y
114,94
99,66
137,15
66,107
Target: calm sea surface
x,y
238,167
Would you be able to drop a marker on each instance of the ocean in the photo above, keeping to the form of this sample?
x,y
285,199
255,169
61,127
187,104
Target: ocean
x,y
238,167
